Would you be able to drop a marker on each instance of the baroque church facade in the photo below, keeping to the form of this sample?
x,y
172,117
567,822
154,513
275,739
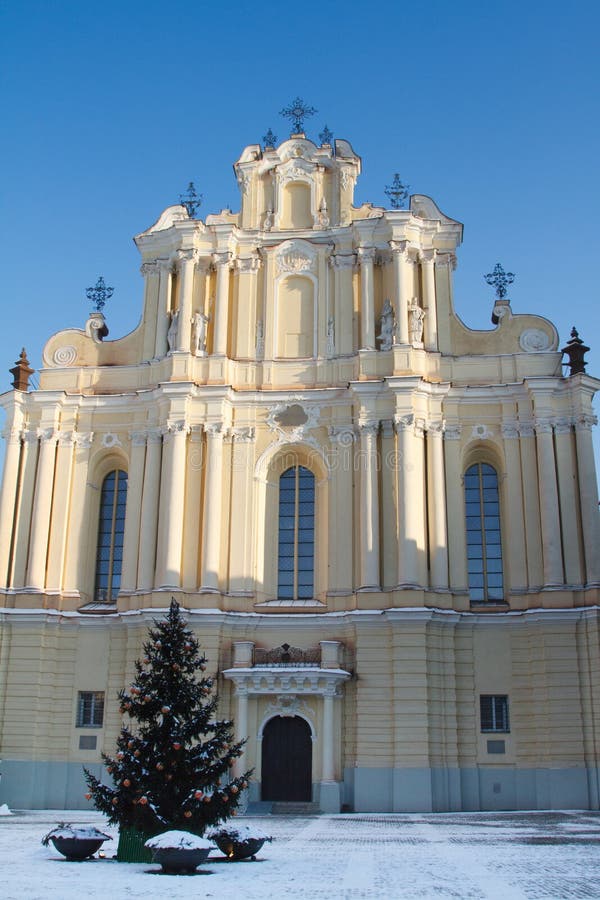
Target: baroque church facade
x,y
383,525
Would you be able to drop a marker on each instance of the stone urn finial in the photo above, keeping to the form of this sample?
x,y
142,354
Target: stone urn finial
x,y
21,372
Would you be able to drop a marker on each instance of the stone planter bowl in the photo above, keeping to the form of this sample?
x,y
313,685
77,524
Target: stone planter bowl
x,y
77,849
238,849
179,861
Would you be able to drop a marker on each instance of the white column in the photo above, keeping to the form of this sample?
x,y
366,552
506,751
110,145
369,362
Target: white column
x,y
328,746
211,526
514,524
8,500
241,569
241,729
369,513
164,301
133,509
77,565
436,507
187,265
340,548
566,467
588,488
401,263
366,256
457,538
343,265
149,511
42,504
172,500
61,510
549,508
223,264
27,481
531,506
150,271
429,299
407,533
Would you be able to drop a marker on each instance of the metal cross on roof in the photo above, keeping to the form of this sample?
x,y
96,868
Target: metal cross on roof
x,y
397,192
99,294
191,200
500,280
297,111
269,139
326,135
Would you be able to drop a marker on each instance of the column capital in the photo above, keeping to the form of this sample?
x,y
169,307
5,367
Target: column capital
x,y
404,421
249,264
154,435
452,432
65,438
342,260
585,422
175,427
214,429
510,429
138,438
563,426
150,267
526,429
399,246
366,255
12,435
543,426
427,256
243,434
47,435
369,427
342,435
30,436
223,259
420,428
83,439
443,259
165,265
387,428
436,428
184,256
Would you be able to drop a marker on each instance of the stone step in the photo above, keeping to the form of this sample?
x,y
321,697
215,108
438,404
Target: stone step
x,y
286,808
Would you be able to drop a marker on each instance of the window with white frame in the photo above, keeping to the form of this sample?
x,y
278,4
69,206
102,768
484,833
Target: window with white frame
x,y
493,710
484,539
296,557
90,709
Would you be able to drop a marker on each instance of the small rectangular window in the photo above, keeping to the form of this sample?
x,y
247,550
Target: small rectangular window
x,y
494,712
90,709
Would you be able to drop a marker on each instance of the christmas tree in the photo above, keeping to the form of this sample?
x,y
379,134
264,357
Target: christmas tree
x,y
172,771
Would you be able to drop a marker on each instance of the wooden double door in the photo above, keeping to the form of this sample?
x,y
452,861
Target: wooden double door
x,y
287,760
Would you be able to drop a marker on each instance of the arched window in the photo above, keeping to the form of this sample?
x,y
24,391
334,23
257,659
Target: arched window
x,y
111,528
296,559
484,541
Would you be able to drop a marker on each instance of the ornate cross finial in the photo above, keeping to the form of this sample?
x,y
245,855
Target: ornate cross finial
x,y
269,139
191,200
99,294
397,192
297,111
500,280
326,136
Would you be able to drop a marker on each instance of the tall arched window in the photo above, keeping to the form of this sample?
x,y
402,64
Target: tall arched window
x,y
484,540
111,528
296,559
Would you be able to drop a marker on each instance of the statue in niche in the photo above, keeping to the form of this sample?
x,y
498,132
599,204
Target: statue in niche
x,y
268,223
260,339
323,218
173,329
330,336
386,335
200,326
416,314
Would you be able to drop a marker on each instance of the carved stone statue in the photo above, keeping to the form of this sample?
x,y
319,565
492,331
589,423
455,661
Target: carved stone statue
x,y
323,217
330,336
268,223
416,314
200,325
173,329
386,335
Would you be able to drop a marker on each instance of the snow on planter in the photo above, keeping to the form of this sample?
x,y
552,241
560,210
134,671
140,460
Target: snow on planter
x,y
178,840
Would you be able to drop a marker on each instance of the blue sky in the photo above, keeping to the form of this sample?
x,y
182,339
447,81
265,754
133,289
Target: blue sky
x,y
109,109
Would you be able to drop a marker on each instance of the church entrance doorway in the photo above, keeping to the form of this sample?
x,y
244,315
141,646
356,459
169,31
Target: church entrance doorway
x,y
287,760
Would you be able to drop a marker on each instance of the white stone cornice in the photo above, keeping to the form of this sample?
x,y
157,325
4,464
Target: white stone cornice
x,y
288,680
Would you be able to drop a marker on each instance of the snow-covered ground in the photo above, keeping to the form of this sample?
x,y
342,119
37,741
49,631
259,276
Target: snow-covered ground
x,y
466,856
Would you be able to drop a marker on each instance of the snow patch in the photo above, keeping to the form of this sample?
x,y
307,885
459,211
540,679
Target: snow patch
x,y
240,833
180,840
5,811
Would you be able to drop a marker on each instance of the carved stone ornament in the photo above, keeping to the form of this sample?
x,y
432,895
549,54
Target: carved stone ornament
x,y
243,181
83,439
110,439
95,327
482,432
295,257
510,430
150,268
64,356
452,432
289,705
534,340
243,434
403,423
342,435
292,420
